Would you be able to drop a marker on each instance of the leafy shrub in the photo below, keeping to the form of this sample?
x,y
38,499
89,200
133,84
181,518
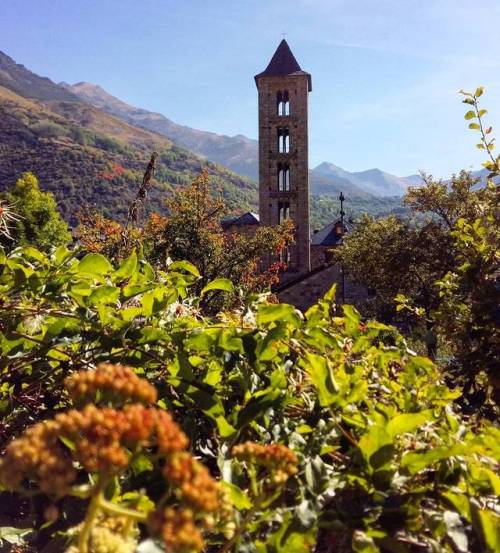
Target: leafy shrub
x,y
37,220
377,458
49,129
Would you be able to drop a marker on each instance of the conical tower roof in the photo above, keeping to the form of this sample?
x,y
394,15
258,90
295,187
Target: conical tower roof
x,y
283,63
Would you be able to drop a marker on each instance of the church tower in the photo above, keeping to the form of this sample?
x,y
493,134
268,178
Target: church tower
x,y
283,152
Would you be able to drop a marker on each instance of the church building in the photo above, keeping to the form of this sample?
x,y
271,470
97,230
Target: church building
x,y
283,96
283,152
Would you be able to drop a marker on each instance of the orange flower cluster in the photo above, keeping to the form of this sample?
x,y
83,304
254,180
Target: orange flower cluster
x,y
178,530
102,438
277,459
193,481
116,381
169,437
38,455
102,435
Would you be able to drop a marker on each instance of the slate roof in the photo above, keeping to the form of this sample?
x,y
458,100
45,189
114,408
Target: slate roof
x,y
327,235
248,218
283,63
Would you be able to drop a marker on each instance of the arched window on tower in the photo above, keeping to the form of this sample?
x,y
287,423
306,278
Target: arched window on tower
x,y
283,141
285,256
283,103
283,177
283,211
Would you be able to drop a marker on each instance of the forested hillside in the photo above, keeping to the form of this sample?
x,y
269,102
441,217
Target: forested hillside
x,y
90,149
87,157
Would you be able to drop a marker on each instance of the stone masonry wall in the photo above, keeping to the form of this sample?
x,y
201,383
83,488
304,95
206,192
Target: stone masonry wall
x,y
307,290
269,158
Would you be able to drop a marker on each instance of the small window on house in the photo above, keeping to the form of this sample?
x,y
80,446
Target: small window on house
x,y
283,211
283,177
283,103
283,141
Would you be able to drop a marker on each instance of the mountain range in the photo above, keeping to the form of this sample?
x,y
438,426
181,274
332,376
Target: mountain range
x,y
87,146
239,153
88,157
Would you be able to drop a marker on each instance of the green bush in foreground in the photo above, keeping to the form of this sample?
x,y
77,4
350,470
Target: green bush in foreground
x,y
379,459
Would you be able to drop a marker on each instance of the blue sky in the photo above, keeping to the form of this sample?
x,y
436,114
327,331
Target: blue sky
x,y
386,73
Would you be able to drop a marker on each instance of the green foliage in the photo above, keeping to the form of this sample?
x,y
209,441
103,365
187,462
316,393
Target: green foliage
x,y
74,150
443,272
325,209
385,461
395,259
38,221
469,294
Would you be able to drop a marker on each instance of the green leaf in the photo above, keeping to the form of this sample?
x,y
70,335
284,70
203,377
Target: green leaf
x,y
470,115
33,253
105,295
376,446
184,266
416,461
239,498
61,254
474,126
218,284
489,524
321,376
94,264
226,430
401,424
479,91
269,313
141,463
352,319
258,405
128,267
199,341
460,502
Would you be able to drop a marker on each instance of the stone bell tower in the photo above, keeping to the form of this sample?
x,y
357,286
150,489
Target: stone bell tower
x,y
283,152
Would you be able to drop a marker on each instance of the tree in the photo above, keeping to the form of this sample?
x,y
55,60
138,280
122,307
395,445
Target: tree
x,y
397,259
193,232
469,314
442,269
39,223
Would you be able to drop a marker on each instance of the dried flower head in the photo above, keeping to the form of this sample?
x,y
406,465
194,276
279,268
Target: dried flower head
x,y
114,382
279,461
193,482
102,439
38,455
178,530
